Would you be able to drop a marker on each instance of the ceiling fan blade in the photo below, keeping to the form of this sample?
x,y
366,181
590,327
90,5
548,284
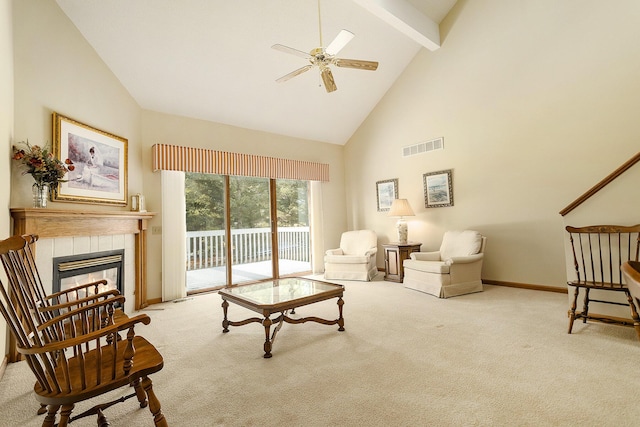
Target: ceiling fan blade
x,y
294,73
339,42
356,63
327,78
290,50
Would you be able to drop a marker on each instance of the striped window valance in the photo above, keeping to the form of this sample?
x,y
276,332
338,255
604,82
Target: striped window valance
x,y
202,160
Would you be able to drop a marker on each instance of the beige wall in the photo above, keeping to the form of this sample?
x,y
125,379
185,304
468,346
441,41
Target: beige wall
x,y
56,70
537,101
158,128
6,132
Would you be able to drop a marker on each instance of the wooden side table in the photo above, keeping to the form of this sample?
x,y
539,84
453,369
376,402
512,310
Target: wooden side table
x,y
394,255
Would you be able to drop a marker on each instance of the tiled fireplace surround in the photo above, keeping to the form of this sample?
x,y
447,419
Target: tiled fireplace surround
x,y
47,249
74,232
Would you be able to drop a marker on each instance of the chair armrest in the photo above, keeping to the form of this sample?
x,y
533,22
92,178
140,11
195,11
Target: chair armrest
x,y
83,301
76,288
425,256
86,338
334,252
84,312
464,259
371,252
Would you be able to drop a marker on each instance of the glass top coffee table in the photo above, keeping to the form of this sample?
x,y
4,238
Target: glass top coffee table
x,y
280,296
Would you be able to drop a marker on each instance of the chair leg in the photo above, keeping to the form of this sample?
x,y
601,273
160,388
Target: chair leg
x,y
65,413
42,409
572,312
140,394
102,420
634,314
50,419
154,404
585,307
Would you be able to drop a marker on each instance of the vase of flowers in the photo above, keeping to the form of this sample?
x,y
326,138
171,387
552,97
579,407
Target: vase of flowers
x,y
46,170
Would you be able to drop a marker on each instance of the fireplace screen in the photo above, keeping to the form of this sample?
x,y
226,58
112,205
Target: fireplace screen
x,y
74,270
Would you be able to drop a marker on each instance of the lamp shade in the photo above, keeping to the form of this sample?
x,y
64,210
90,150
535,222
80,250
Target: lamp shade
x,y
401,207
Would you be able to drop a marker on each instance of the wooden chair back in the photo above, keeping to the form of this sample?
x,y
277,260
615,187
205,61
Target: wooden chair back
x,y
599,251
18,260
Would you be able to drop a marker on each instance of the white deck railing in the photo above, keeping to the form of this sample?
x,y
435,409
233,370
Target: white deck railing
x,y
206,249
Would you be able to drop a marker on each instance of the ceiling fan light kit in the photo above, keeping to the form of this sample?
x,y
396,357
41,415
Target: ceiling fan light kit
x,y
323,58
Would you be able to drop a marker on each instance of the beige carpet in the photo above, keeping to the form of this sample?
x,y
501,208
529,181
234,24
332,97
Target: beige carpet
x,y
501,357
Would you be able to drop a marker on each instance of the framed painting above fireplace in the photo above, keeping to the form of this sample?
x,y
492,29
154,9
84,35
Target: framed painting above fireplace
x,y
100,160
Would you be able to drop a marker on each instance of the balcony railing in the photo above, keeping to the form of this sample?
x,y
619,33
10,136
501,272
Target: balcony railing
x,y
206,249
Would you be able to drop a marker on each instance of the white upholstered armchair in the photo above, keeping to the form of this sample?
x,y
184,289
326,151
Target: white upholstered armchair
x,y
355,259
453,270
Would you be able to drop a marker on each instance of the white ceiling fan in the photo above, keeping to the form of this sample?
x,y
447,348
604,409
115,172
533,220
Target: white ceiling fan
x,y
323,58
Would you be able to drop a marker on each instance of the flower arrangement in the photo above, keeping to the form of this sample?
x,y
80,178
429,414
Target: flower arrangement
x,y
41,164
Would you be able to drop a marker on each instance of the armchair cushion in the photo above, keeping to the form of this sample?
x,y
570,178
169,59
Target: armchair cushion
x,y
346,259
437,267
358,242
460,243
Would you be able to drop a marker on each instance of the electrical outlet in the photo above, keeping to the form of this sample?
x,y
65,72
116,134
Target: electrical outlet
x,y
157,229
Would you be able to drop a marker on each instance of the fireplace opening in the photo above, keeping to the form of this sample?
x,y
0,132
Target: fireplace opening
x,y
75,270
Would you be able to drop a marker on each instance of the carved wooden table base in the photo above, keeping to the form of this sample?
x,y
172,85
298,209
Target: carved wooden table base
x,y
299,292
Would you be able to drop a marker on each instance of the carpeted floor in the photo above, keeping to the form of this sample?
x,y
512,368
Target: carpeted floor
x,y
496,358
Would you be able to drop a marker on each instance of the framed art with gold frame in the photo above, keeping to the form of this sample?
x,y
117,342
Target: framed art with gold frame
x,y
100,160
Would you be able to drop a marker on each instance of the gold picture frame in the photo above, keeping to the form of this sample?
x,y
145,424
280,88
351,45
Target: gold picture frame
x,y
100,159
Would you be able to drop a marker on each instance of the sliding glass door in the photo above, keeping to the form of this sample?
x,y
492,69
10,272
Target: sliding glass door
x,y
294,253
244,229
206,231
251,237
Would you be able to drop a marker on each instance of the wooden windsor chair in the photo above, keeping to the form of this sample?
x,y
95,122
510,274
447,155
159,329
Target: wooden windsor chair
x,y
74,347
598,253
72,365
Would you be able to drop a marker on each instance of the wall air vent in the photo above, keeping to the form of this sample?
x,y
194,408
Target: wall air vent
x,y
423,147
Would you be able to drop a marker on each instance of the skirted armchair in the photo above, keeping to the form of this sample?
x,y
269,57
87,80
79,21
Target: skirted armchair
x,y
453,270
355,259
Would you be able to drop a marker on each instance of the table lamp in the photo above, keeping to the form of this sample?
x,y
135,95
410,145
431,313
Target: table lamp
x,y
401,208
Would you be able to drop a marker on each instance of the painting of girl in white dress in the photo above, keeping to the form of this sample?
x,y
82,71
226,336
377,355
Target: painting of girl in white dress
x,y
96,165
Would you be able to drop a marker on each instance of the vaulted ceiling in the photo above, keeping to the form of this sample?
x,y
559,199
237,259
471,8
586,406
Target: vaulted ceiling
x,y
212,59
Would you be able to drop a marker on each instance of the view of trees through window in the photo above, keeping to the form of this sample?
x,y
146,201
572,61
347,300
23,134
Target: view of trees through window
x,y
204,195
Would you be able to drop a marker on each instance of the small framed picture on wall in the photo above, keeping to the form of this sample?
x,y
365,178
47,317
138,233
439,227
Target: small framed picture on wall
x,y
386,192
438,189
